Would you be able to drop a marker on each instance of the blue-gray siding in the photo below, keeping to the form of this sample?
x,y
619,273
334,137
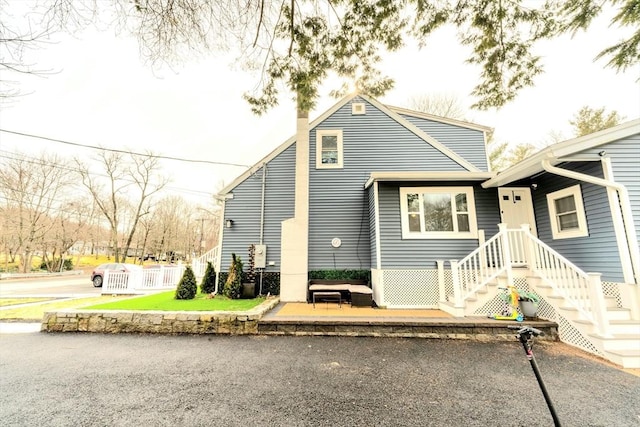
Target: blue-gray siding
x,y
625,162
423,253
244,209
467,143
597,252
338,205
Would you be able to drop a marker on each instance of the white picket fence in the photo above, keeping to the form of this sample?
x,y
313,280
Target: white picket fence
x,y
146,279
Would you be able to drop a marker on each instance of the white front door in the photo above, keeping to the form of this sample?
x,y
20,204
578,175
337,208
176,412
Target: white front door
x,y
516,207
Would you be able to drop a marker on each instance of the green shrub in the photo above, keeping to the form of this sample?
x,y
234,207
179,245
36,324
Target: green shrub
x,y
187,288
208,285
55,265
233,285
341,275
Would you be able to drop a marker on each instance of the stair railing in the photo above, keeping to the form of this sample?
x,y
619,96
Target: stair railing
x,y
481,266
581,291
199,264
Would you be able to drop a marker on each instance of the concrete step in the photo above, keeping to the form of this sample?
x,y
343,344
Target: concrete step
x,y
626,358
618,342
479,328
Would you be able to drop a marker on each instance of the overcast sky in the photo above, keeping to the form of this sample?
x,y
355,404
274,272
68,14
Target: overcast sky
x,y
102,94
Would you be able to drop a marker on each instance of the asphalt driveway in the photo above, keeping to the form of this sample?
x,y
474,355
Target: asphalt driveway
x,y
159,380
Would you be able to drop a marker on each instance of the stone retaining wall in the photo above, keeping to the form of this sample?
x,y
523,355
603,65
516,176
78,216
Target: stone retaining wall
x,y
161,322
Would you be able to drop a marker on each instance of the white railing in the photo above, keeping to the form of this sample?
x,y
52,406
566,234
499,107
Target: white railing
x,y
581,291
163,277
199,264
480,267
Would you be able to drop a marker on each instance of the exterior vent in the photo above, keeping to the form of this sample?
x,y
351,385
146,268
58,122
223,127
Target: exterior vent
x,y
358,108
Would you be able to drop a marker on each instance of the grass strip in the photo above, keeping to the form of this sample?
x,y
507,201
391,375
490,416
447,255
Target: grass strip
x,y
36,311
6,302
165,301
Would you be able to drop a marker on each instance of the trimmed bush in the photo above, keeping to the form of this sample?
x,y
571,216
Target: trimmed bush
x,y
187,288
208,285
233,285
341,275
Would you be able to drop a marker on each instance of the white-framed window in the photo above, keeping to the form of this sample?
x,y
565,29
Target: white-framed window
x,y
329,149
566,212
438,213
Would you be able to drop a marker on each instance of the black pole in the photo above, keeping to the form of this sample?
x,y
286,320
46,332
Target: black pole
x,y
525,336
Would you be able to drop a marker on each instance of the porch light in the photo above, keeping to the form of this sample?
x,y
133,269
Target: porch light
x,y
228,223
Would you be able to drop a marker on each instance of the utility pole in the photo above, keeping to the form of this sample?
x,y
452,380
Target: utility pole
x,y
202,220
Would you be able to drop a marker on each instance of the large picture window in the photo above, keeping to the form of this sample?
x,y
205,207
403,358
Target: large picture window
x,y
566,212
438,212
329,149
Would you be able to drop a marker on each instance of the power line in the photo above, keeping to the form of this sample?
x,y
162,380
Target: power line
x,y
210,162
36,161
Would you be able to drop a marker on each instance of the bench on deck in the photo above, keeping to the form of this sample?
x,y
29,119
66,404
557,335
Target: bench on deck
x,y
357,292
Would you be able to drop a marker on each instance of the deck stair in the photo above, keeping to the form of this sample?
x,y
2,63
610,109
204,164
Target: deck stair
x,y
591,320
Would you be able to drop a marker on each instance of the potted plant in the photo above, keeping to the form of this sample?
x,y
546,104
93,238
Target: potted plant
x,y
528,304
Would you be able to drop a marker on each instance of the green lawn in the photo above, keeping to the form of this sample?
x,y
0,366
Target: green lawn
x,y
165,301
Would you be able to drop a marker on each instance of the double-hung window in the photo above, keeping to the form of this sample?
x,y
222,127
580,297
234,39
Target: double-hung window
x,y
566,212
438,213
329,149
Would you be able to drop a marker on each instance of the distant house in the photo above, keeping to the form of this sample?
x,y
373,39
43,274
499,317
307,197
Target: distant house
x,y
411,198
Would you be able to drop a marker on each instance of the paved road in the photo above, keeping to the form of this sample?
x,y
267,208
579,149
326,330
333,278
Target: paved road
x,y
77,285
158,380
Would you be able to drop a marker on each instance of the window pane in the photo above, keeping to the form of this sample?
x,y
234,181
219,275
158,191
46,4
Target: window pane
x,y
414,222
437,212
329,157
565,204
568,221
413,203
461,203
329,143
463,222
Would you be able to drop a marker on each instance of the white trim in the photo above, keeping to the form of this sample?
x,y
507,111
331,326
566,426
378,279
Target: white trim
x,y
471,213
320,133
387,110
582,229
556,152
422,135
358,108
427,176
440,119
282,147
377,231
618,223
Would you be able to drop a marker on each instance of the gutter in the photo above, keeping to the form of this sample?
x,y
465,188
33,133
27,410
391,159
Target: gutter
x,y
625,205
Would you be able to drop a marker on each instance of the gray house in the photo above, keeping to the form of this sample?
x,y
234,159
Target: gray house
x,y
411,197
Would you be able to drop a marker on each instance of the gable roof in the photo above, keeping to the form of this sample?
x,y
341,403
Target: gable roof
x,y
441,119
389,111
557,153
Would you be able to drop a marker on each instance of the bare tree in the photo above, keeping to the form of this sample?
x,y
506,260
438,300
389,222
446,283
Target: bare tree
x,y
21,31
129,179
439,104
33,189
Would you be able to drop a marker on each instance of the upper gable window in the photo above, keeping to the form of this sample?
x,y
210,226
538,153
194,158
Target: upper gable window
x,y
566,213
329,149
438,213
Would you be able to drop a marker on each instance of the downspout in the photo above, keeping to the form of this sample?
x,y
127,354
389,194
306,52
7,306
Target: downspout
x,y
264,183
623,198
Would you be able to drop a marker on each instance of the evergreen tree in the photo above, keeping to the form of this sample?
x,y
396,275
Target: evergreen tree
x,y
187,288
233,285
208,285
